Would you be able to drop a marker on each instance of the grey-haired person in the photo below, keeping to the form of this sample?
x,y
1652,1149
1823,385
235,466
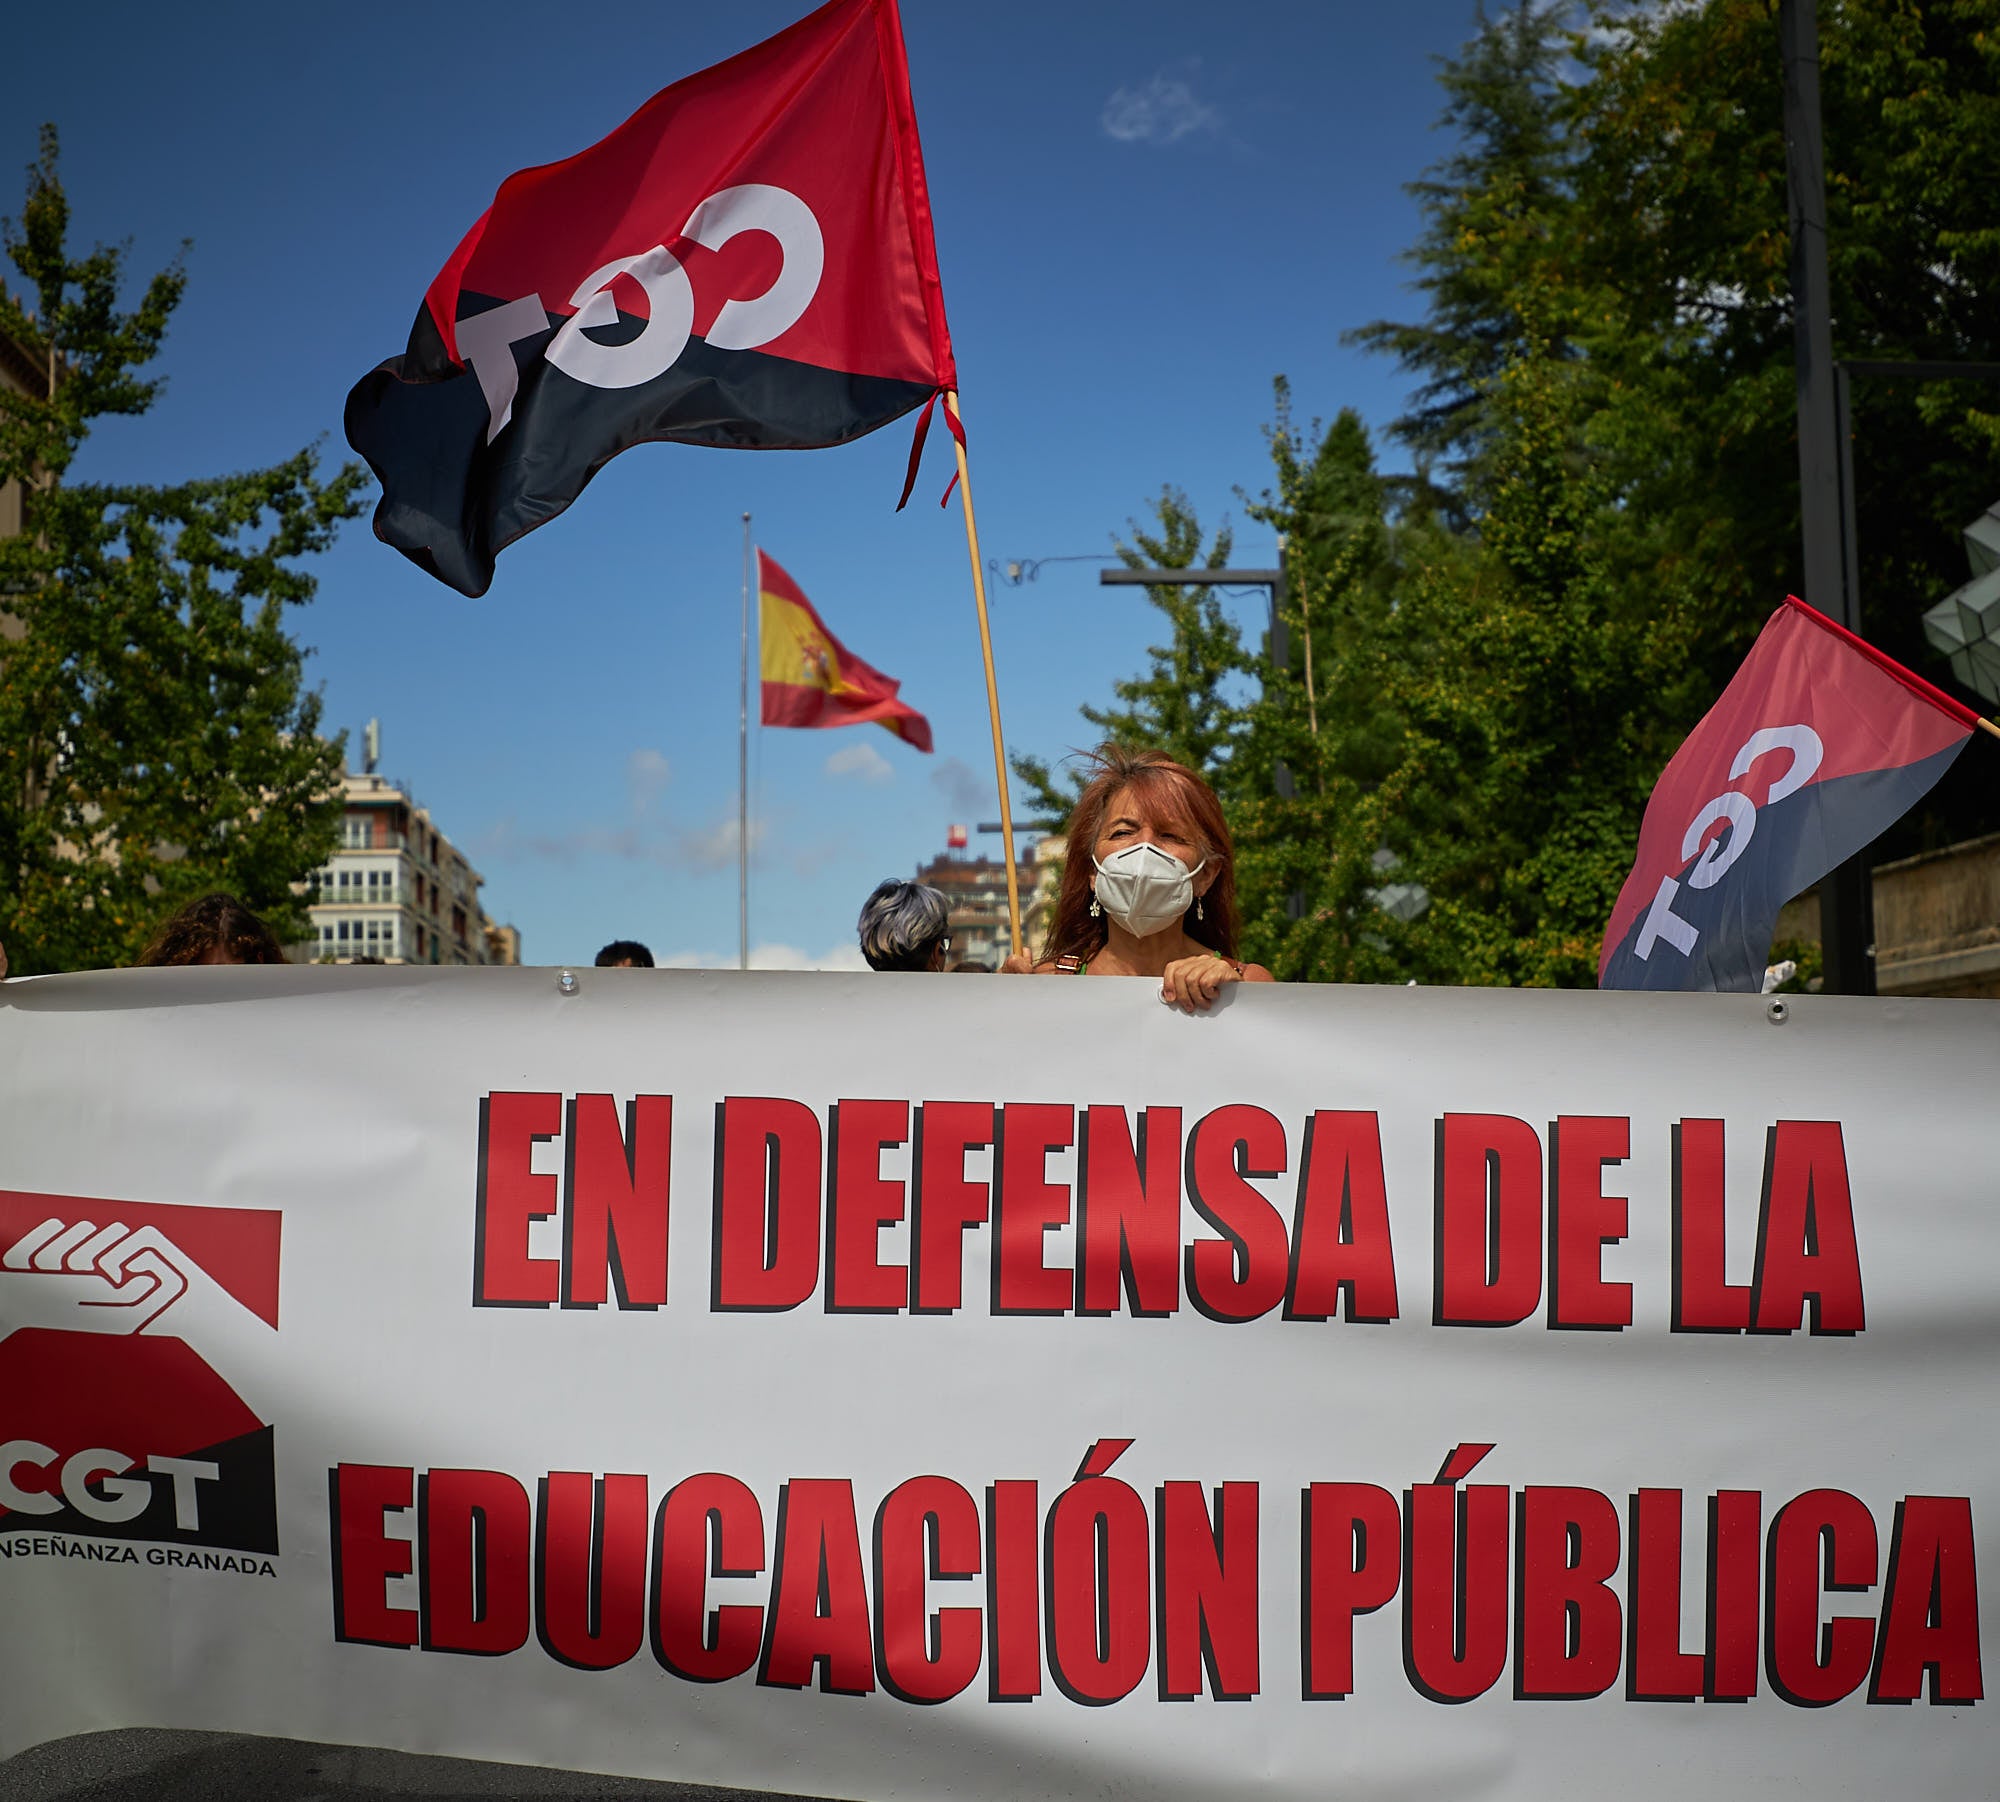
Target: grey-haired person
x,y
905,926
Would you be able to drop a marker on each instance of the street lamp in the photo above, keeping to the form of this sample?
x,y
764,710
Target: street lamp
x,y
1272,580
1280,642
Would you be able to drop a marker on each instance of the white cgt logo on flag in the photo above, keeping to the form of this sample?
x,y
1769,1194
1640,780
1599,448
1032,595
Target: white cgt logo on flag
x,y
487,339
1739,813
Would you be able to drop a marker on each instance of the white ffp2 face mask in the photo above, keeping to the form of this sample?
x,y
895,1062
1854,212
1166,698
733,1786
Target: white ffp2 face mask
x,y
1144,888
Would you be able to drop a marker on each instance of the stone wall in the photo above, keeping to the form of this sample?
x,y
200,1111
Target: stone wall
x,y
1937,921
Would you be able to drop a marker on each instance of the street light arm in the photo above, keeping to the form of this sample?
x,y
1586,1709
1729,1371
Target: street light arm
x,y
1272,580
1192,578
1017,570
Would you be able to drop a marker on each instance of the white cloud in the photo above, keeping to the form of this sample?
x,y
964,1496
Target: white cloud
x,y
647,772
770,957
1161,110
862,761
648,832
714,847
646,841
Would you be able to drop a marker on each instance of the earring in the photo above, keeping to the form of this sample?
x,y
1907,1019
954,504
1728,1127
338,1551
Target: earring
x,y
1095,910
1198,914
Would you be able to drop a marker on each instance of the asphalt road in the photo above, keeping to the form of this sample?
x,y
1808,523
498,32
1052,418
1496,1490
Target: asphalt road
x,y
162,1765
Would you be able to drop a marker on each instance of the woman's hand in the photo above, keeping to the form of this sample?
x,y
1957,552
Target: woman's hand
x,y
1192,983
1020,964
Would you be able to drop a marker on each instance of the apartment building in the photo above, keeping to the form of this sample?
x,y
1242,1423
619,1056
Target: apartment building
x,y
975,888
398,890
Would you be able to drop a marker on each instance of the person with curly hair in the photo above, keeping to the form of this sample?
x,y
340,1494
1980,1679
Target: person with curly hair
x,y
1149,884
217,929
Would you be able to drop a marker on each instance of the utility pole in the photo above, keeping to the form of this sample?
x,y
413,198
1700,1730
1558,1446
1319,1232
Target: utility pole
x,y
1846,896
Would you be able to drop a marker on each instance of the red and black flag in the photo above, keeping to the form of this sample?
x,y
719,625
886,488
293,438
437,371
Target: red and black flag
x,y
746,261
1817,745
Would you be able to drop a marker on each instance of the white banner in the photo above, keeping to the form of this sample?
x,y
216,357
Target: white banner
x,y
888,1387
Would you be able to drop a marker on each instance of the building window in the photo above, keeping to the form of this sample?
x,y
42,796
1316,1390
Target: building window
x,y
356,832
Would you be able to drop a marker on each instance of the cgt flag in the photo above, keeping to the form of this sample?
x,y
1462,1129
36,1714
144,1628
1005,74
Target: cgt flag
x,y
746,261
810,678
1818,743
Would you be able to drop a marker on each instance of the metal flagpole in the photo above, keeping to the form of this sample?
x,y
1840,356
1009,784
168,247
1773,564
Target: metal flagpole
x,y
743,774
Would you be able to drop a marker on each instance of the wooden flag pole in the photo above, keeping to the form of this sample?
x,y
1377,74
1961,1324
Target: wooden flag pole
x,y
992,685
1986,725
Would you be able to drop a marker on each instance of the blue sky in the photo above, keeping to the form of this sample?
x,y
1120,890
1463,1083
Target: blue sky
x,y
1146,209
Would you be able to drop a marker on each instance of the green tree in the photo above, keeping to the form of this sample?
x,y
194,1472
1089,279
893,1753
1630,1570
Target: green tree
x,y
1698,242
1320,719
156,736
1496,210
1535,709
1612,234
1492,660
1473,717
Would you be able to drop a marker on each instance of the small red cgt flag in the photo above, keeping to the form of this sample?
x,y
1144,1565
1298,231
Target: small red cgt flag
x,y
810,678
1818,744
747,261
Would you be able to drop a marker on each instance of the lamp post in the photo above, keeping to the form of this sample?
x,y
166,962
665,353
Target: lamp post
x,y
1846,898
1280,643
1279,646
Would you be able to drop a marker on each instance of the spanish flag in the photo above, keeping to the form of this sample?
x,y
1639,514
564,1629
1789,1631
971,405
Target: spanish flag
x,y
810,678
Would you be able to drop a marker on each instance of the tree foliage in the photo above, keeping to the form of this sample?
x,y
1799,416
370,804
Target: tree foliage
x,y
156,737
1493,658
1493,212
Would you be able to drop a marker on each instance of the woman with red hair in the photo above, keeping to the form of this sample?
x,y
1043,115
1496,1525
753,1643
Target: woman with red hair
x,y
1149,884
